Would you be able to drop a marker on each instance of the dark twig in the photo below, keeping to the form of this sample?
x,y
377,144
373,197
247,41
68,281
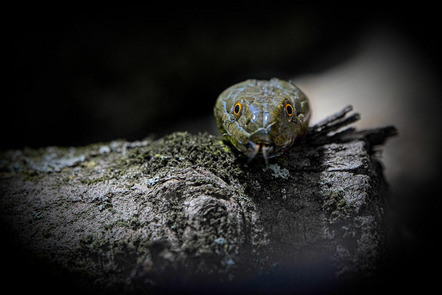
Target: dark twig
x,y
318,127
333,123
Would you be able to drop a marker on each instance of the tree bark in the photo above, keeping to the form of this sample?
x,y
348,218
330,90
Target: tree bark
x,y
186,212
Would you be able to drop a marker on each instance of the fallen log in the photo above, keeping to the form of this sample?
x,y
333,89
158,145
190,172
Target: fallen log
x,y
186,212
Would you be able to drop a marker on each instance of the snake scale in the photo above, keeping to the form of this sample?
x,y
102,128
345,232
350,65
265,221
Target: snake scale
x,y
262,116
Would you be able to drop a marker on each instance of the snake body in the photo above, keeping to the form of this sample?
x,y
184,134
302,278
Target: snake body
x,y
261,115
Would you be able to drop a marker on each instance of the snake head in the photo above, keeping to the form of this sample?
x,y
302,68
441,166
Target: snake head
x,y
262,117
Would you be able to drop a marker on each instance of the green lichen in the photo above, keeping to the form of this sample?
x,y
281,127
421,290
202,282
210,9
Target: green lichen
x,y
183,150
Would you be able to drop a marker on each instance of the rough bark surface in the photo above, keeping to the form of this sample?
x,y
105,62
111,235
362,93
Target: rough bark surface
x,y
186,212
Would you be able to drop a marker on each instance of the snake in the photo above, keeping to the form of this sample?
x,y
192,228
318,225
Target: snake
x,y
262,116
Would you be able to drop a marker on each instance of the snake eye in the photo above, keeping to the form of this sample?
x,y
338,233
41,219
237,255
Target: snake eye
x,y
289,109
237,109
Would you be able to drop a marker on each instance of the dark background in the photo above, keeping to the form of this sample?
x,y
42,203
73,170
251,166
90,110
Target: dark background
x,y
76,76
80,75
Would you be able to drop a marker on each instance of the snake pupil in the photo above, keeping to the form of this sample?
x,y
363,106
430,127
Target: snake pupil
x,y
289,109
237,109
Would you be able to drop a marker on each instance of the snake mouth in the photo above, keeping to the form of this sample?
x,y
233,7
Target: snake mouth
x,y
255,148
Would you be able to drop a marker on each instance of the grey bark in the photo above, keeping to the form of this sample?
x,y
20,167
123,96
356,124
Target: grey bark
x,y
186,211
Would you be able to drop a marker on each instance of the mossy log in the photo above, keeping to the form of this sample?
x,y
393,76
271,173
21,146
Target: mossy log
x,y
186,212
